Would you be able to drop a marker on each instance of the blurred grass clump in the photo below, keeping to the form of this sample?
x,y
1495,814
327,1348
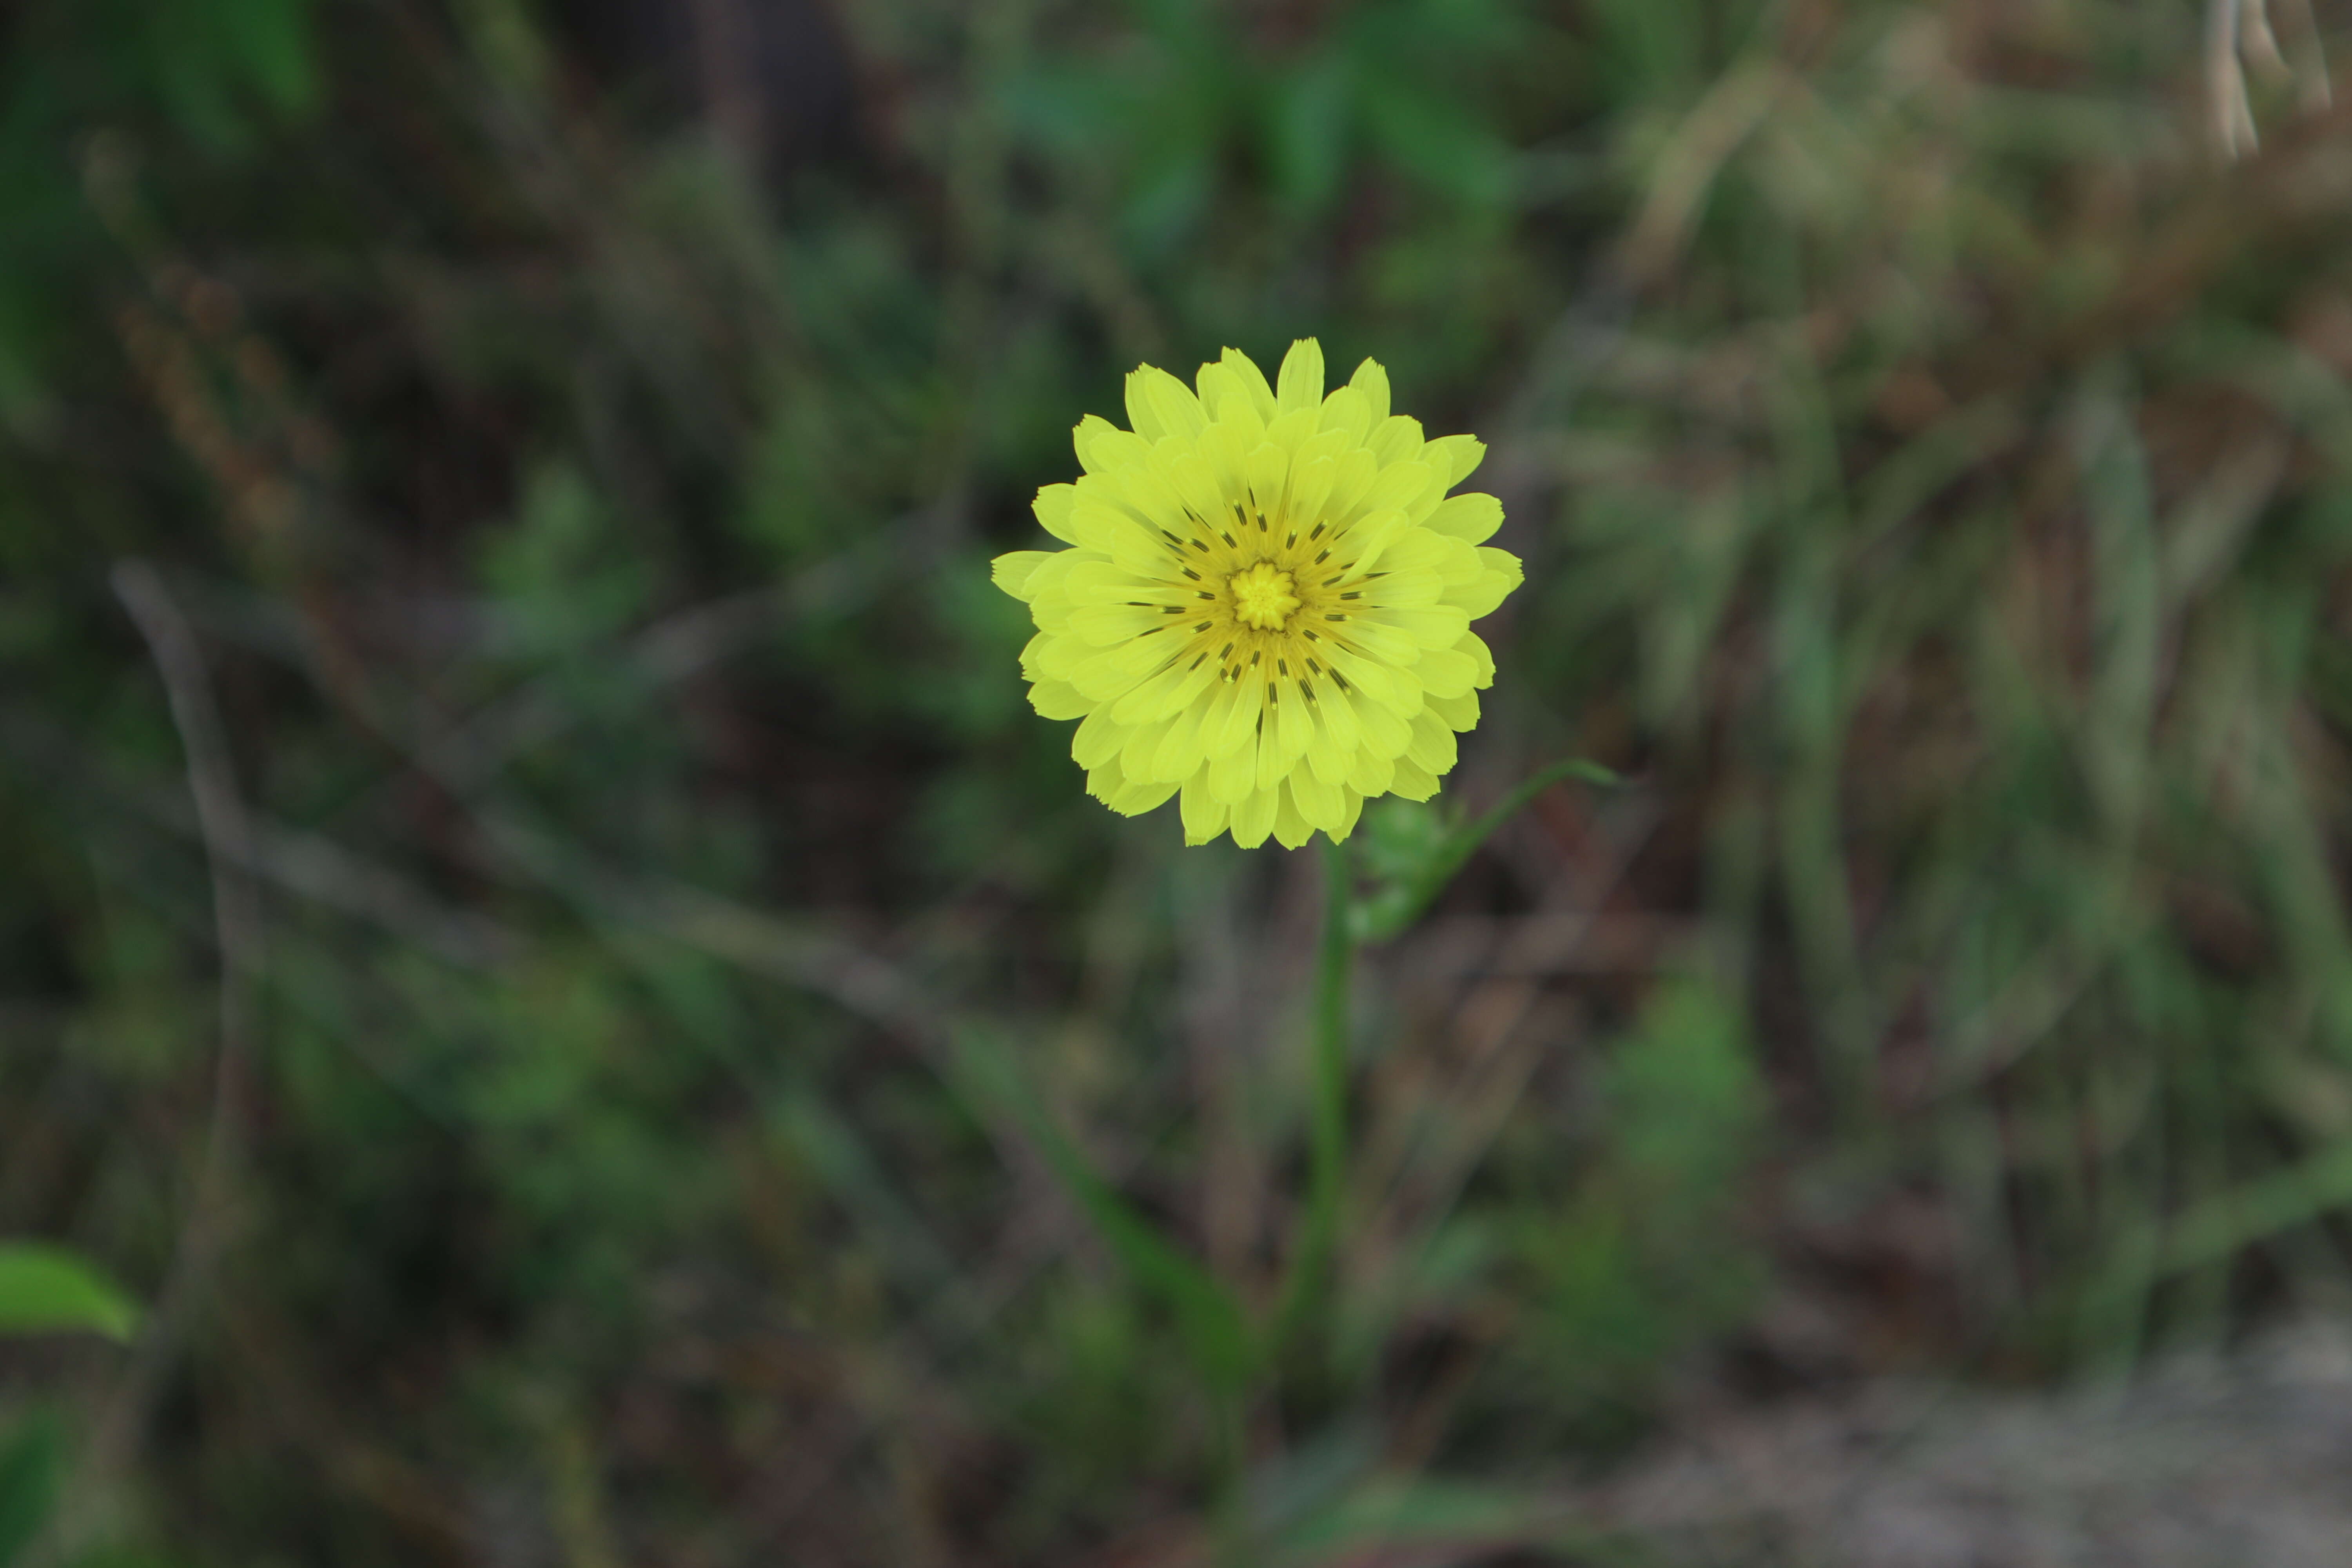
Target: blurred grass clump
x,y
540,866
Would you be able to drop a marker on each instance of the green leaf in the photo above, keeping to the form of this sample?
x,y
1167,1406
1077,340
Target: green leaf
x,y
1418,856
270,41
1306,133
32,1462
45,1289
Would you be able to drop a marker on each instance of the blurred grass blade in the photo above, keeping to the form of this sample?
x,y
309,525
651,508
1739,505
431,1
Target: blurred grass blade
x,y
46,1290
1216,1330
2221,1227
1395,907
1421,1521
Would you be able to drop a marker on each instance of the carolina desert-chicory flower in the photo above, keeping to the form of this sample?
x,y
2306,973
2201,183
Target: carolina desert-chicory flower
x,y
1267,603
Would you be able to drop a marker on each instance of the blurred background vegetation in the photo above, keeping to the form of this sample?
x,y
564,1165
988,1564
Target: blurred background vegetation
x,y
529,872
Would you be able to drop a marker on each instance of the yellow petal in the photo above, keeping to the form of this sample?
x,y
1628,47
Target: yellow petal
x,y
1431,626
1012,572
1318,801
1336,712
1220,388
1471,518
1261,395
1387,734
1446,672
1390,646
1460,713
1270,763
1370,678
1417,548
1144,491
1242,719
1253,818
1403,588
1394,488
1180,754
1135,757
1057,655
1326,758
1181,413
1368,541
1293,428
1266,472
1432,494
1413,781
1059,699
1482,597
1291,828
1112,450
1204,815
1180,466
1103,625
1218,708
1483,656
1347,413
1372,380
1136,798
1406,689
1225,446
1353,804
1099,739
1395,440
1053,570
1141,417
1358,470
1371,775
1149,700
1106,529
1233,775
1300,386
1090,429
1293,727
1112,672
1433,743
1456,457
1052,509
1309,484
1457,562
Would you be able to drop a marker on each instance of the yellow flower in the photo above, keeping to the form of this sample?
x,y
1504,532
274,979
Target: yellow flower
x,y
1267,603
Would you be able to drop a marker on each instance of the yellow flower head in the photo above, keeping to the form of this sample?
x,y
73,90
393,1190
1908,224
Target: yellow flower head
x,y
1267,603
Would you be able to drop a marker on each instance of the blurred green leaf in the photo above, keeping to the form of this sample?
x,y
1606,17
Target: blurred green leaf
x,y
1441,139
46,1290
32,1466
1306,132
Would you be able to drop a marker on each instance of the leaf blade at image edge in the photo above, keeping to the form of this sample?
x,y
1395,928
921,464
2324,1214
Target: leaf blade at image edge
x,y
46,1290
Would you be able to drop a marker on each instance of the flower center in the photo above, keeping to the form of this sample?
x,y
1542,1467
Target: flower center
x,y
1261,597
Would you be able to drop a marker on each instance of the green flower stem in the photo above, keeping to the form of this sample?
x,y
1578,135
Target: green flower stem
x,y
1327,1107
1332,972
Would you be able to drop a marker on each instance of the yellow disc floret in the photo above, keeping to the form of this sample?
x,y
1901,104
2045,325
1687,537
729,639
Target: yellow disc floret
x,y
1261,597
1267,603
